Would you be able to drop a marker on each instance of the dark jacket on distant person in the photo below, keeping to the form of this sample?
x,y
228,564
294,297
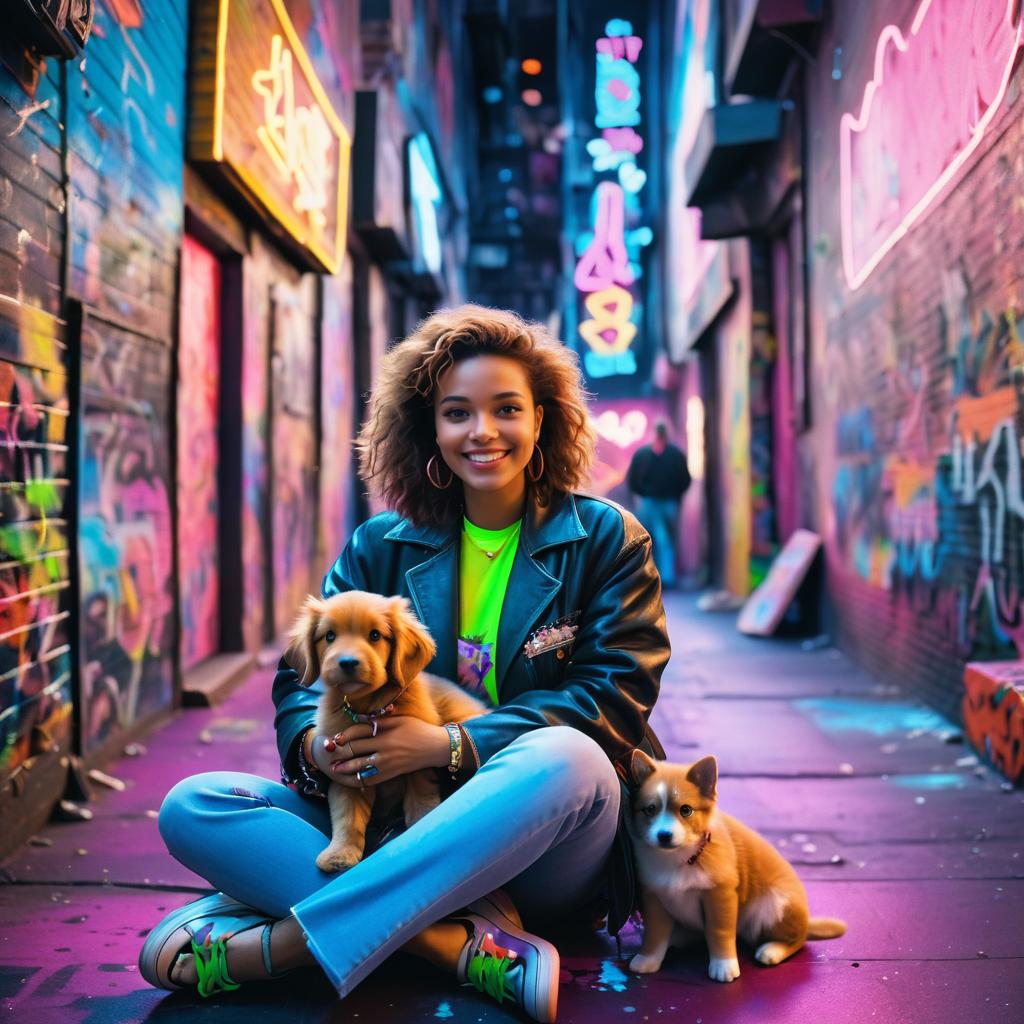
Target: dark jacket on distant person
x,y
654,475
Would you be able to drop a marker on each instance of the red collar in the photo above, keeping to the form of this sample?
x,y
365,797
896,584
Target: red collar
x,y
704,840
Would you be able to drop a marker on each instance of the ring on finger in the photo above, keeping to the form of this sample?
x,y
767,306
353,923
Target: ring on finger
x,y
368,770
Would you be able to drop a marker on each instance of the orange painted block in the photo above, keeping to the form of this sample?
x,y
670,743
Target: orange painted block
x,y
993,711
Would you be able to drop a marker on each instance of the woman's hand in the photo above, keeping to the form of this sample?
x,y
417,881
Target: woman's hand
x,y
402,744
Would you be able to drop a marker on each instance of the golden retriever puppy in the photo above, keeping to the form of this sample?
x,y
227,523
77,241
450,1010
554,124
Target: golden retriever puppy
x,y
370,652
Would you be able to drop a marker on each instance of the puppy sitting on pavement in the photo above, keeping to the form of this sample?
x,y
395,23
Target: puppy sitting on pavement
x,y
370,652
702,870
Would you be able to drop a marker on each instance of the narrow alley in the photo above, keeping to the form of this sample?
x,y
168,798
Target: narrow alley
x,y
889,818
509,312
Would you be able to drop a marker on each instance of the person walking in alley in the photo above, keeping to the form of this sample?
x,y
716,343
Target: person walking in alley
x,y
659,476
477,439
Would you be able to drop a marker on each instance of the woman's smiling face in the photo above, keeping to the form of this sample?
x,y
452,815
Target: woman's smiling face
x,y
487,425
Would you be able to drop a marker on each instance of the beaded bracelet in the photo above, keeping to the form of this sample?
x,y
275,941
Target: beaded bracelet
x,y
455,745
310,784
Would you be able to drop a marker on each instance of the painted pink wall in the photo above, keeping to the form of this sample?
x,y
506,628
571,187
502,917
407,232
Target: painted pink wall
x,y
198,455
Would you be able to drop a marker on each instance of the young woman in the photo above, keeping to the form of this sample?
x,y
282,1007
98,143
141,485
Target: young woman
x,y
544,602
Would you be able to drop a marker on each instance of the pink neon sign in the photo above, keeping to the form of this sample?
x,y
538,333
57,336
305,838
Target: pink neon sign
x,y
605,261
604,274
930,100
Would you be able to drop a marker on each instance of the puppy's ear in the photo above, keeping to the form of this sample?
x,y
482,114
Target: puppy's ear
x,y
301,650
412,646
704,775
641,767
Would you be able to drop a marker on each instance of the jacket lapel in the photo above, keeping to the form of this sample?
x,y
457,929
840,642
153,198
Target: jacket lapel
x,y
531,588
433,589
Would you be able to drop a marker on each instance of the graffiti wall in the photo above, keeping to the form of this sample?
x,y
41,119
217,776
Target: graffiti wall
x,y
125,530
733,338
35,659
917,292
763,533
125,135
125,125
257,622
337,410
198,456
294,444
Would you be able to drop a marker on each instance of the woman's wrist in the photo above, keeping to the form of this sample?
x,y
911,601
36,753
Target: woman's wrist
x,y
312,780
439,752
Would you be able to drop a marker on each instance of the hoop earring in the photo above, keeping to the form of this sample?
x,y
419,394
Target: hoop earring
x,y
534,477
435,477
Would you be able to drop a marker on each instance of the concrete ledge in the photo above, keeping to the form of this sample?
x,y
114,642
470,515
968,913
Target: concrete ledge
x,y
211,681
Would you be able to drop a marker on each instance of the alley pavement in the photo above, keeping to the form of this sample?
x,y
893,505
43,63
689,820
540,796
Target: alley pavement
x,y
887,815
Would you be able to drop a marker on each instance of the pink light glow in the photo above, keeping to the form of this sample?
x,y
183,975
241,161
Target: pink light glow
x,y
605,261
623,139
893,153
621,46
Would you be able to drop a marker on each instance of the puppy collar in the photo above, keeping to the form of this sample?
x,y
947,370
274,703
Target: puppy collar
x,y
371,718
704,840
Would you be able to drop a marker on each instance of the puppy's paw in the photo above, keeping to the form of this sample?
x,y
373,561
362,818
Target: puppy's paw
x,y
641,964
339,858
771,953
724,968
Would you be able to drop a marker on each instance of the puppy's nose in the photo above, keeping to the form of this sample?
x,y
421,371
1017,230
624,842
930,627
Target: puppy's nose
x,y
348,665
665,838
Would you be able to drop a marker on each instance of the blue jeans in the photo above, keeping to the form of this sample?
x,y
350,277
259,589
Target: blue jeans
x,y
537,819
660,517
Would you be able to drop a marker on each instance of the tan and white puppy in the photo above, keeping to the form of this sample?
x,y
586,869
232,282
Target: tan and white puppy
x,y
701,870
370,652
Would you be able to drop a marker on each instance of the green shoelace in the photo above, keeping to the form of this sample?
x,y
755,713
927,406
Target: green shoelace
x,y
212,968
486,973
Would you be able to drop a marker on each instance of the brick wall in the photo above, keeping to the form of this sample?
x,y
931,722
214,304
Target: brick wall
x,y
917,361
35,687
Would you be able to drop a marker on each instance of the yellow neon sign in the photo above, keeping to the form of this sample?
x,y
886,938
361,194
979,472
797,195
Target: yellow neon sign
x,y
265,119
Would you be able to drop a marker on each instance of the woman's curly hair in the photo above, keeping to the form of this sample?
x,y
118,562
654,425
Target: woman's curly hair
x,y
398,438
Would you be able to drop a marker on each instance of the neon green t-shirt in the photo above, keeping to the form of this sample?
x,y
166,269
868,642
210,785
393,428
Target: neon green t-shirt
x,y
487,557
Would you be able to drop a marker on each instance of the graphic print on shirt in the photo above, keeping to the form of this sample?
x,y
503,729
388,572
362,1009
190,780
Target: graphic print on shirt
x,y
474,663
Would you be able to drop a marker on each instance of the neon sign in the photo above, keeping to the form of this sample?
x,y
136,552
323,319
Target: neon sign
x,y
898,153
297,138
425,194
262,120
608,266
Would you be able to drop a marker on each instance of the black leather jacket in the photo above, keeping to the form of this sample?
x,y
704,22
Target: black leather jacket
x,y
583,560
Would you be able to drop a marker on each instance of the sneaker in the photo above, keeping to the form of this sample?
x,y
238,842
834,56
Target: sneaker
x,y
505,962
202,927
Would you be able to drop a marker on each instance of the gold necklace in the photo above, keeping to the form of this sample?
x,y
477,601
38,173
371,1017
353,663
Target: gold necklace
x,y
490,554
